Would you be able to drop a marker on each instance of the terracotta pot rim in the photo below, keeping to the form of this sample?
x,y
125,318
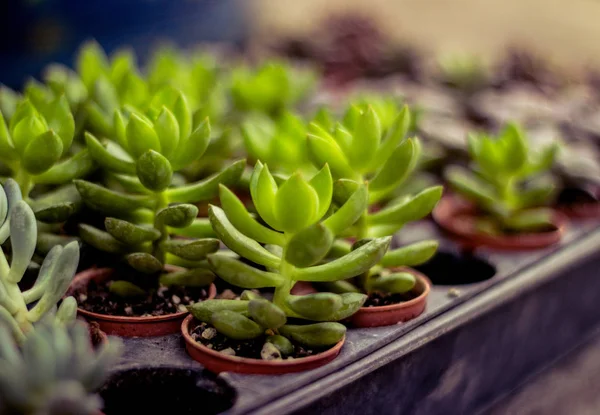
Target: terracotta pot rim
x,y
185,331
452,206
126,319
405,304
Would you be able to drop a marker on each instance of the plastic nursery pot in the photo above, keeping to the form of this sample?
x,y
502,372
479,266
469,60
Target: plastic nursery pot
x,y
458,217
123,325
388,315
218,362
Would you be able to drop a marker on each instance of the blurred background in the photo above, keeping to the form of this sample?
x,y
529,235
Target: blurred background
x,y
39,31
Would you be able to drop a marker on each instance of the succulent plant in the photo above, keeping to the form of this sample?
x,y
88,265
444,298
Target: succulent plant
x,y
359,150
464,71
17,221
35,144
271,88
55,371
299,233
146,152
279,142
507,182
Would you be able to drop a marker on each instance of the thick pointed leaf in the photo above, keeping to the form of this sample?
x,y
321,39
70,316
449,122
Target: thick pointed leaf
x,y
515,150
57,213
178,216
130,234
101,240
264,193
193,147
74,167
397,167
267,314
154,171
42,152
167,129
207,189
60,119
316,307
282,344
106,159
394,137
192,250
470,187
315,335
323,185
199,228
413,209
323,151
7,151
366,137
108,201
144,262
197,277
410,255
397,283
126,289
238,242
204,310
236,326
244,222
351,303
242,275
182,112
343,189
309,246
26,130
348,266
531,220
296,204
141,136
350,211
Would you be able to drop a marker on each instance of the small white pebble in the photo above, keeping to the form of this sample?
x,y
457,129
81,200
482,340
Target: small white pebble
x,y
182,308
229,351
176,299
210,346
128,311
161,291
270,352
82,297
453,292
227,295
209,333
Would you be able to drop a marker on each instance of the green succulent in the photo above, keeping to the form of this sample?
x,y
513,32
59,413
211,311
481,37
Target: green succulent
x,y
464,71
280,142
55,371
359,150
507,181
17,222
111,84
299,232
271,88
146,152
36,145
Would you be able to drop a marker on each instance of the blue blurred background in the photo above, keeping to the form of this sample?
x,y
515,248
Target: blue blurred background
x,y
35,32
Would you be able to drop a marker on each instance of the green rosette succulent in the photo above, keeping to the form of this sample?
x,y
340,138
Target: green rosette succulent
x,y
36,146
146,153
298,231
54,371
18,223
270,88
279,142
359,150
507,182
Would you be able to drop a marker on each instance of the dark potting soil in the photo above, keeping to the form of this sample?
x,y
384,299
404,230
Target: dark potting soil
x,y
379,299
207,335
165,300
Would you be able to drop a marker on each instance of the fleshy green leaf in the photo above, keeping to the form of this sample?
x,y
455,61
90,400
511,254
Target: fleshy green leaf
x,y
396,283
413,209
154,171
130,234
23,236
309,246
235,326
266,314
144,262
410,255
108,201
323,185
296,204
197,277
397,167
316,307
194,250
204,310
100,240
350,211
315,335
240,274
193,147
141,136
366,136
76,166
167,129
178,216
42,152
106,159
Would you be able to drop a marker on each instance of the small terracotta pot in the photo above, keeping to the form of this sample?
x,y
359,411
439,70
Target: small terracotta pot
x,y
388,315
123,325
458,217
218,362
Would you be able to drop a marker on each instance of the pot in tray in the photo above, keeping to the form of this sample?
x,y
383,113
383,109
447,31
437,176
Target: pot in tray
x,y
124,325
395,313
218,362
458,217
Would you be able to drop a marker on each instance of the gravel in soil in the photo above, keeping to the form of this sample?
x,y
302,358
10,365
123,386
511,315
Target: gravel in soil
x,y
208,336
162,301
379,299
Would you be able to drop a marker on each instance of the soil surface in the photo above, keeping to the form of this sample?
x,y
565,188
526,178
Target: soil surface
x,y
378,299
160,302
207,335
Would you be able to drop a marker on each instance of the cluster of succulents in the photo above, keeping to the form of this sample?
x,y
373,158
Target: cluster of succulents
x,y
132,156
